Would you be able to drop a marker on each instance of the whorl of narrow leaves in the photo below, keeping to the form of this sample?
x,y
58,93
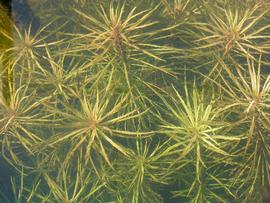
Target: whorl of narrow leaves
x,y
140,101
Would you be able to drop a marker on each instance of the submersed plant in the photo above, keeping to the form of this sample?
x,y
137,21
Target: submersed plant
x,y
197,130
180,11
58,75
87,105
233,31
247,93
129,34
147,172
125,38
5,43
246,96
74,183
90,122
21,53
252,173
20,108
212,187
28,47
18,121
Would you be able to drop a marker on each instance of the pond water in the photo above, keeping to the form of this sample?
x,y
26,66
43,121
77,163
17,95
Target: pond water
x,y
134,101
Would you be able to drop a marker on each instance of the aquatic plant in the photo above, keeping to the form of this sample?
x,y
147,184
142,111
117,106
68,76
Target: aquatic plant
x,y
5,43
19,120
147,172
198,133
126,41
180,11
119,30
92,123
61,187
234,31
136,101
249,91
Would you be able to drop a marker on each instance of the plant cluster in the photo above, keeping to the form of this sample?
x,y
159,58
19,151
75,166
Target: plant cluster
x,y
136,101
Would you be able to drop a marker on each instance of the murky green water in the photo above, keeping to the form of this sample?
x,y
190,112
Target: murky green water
x,y
135,101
